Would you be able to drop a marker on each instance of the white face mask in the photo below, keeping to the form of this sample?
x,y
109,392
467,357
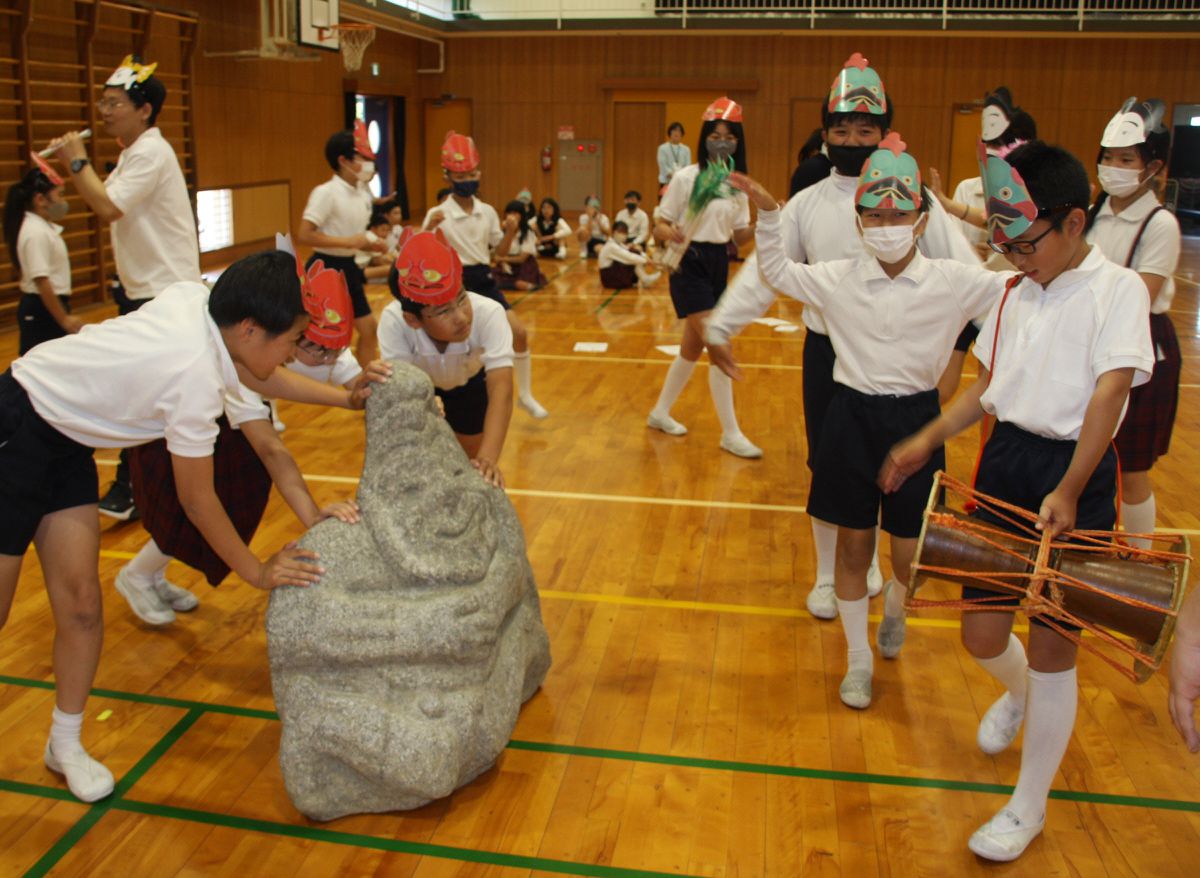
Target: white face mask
x,y
993,124
888,243
365,172
1119,182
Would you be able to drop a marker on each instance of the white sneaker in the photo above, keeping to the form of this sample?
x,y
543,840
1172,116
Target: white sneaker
x,y
87,779
999,726
532,406
144,600
178,599
874,579
856,689
1005,836
666,423
890,636
651,279
822,601
740,446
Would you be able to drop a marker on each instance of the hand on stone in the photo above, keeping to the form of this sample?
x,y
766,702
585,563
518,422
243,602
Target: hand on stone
x,y
377,372
490,472
287,567
343,510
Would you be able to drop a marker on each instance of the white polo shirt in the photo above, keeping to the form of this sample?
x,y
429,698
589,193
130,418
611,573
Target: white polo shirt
x,y
637,223
473,235
612,251
970,193
891,336
1056,342
597,230
489,346
1157,252
720,218
162,371
43,253
339,209
247,405
155,242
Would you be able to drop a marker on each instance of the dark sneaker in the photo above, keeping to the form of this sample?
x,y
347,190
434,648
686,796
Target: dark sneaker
x,y
118,503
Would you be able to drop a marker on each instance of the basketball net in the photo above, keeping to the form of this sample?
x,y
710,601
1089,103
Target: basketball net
x,y
353,40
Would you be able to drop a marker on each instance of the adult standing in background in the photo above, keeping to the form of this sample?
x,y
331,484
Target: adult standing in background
x,y
673,155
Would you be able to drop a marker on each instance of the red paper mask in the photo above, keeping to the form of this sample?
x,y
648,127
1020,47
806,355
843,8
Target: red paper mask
x,y
327,301
362,145
724,109
459,153
48,171
430,272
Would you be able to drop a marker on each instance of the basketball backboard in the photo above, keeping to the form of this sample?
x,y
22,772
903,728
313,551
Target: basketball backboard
x,y
311,17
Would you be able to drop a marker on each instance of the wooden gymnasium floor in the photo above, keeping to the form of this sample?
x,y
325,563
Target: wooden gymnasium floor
x,y
690,723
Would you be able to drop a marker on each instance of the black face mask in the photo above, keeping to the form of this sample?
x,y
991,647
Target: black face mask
x,y
849,160
631,206
464,188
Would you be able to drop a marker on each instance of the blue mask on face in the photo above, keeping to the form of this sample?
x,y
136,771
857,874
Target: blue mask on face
x,y
464,188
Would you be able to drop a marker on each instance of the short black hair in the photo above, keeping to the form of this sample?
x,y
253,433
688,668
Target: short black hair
x,y
390,205
675,125
442,194
151,92
883,123
406,304
1055,178
634,193
620,225
339,146
378,217
262,287
735,128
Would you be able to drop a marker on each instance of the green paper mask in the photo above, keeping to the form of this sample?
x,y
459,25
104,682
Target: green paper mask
x,y
1010,209
857,89
890,178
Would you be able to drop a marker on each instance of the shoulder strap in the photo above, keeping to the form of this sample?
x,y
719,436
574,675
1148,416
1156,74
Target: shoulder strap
x,y
1138,237
1008,288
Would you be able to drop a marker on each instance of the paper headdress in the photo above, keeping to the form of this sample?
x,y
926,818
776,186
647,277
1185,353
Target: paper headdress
x,y
1007,202
47,171
890,178
1133,123
723,109
997,114
428,270
327,301
857,89
130,74
459,153
362,144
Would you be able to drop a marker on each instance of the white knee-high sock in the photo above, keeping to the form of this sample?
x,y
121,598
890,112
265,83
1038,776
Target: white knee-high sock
x,y
148,564
523,371
1138,518
1010,667
1049,720
678,374
825,547
878,540
720,386
64,731
893,602
854,625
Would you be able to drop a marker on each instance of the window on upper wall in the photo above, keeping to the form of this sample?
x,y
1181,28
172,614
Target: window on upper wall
x,y
214,213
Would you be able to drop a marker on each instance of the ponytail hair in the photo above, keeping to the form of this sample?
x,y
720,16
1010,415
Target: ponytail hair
x,y
16,203
1094,211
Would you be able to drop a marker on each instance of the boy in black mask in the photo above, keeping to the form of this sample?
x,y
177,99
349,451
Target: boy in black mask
x,y
819,225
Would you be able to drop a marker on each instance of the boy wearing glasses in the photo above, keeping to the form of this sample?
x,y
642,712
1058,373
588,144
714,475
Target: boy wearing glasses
x,y
1057,358
461,339
145,200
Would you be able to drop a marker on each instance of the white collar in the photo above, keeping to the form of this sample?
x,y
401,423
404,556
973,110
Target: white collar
x,y
229,372
1080,274
1134,213
453,209
54,227
913,273
841,182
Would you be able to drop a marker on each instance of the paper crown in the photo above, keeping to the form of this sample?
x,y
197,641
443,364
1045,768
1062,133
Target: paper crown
x,y
42,165
890,178
1133,123
1009,207
362,144
857,89
428,270
130,74
327,301
459,153
725,109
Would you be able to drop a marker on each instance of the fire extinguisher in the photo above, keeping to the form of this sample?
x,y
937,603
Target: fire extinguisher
x,y
547,158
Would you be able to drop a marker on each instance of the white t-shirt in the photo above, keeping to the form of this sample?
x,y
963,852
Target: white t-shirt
x,y
473,235
155,242
489,346
162,371
599,230
612,251
247,405
820,225
720,218
1157,252
970,193
891,336
1056,342
339,209
43,253
637,223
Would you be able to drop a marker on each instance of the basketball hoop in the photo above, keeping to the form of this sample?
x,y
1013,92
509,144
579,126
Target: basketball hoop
x,y
353,39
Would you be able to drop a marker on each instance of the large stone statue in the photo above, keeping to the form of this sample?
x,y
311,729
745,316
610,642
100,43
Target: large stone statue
x,y
399,676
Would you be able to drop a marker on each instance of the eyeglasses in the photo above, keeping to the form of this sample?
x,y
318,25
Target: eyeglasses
x,y
111,104
320,353
1028,248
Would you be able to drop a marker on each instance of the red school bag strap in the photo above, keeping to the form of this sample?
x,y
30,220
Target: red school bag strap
x,y
984,428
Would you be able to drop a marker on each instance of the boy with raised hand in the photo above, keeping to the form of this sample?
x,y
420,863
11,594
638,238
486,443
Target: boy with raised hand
x,y
459,338
1057,358
161,372
892,316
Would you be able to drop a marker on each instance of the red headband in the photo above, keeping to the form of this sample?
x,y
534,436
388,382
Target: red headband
x,y
428,269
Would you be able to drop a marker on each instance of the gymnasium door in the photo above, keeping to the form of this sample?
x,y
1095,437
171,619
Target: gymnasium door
x,y
637,132
441,116
964,140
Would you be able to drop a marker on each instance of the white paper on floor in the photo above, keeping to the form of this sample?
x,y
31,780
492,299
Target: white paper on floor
x,y
771,321
591,347
671,350
787,327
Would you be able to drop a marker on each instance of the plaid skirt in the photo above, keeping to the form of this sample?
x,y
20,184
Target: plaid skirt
x,y
1145,433
618,276
528,271
242,483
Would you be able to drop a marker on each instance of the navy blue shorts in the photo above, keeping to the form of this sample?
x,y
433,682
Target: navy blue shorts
x,y
466,406
478,279
701,278
817,386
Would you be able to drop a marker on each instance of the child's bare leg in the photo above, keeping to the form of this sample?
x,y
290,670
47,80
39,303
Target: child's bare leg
x,y
10,572
892,629
470,443
68,545
367,348
854,549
